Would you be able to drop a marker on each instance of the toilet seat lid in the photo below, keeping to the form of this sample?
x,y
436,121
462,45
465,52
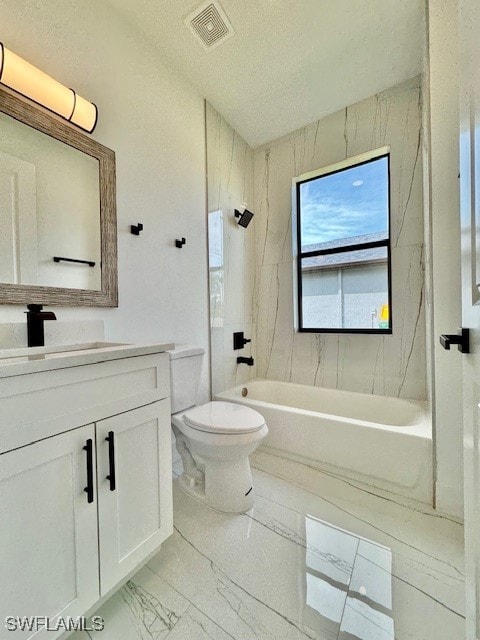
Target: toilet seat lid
x,y
224,417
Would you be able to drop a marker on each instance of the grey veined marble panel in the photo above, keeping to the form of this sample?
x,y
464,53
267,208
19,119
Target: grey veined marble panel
x,y
389,365
231,248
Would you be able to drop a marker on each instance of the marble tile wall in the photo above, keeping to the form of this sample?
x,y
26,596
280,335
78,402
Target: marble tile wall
x,y
388,365
231,249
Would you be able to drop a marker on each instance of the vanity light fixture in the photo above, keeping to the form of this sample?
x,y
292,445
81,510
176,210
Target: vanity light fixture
x,y
24,78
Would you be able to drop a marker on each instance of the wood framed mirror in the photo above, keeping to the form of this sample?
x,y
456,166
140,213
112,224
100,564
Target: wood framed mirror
x,y
58,227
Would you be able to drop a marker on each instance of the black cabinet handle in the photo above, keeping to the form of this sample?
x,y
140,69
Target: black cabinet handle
x,y
111,459
462,339
89,488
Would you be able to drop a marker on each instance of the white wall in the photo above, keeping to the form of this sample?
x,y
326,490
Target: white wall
x,y
443,112
155,124
388,365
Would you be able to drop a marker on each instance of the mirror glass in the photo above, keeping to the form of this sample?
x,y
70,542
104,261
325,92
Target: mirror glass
x,y
49,211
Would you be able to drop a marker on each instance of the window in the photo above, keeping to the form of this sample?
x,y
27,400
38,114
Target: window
x,y
215,267
342,262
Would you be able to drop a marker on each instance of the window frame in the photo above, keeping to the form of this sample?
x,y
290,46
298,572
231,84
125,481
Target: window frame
x,y
298,255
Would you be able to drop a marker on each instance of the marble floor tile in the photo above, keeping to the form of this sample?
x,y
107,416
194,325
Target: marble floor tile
x,y
260,566
316,557
427,580
147,608
368,609
219,596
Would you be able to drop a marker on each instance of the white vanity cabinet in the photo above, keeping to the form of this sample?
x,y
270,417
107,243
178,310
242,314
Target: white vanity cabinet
x,y
85,483
134,492
48,530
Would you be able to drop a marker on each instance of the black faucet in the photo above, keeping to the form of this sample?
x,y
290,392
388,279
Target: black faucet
x,y
35,320
239,340
242,360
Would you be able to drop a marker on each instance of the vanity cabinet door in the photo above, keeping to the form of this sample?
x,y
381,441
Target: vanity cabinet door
x,y
134,489
48,531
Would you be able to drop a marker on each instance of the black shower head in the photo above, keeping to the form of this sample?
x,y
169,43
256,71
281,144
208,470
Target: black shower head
x,y
244,218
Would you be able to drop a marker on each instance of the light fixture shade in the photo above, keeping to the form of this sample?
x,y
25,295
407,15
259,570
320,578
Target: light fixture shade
x,y
84,114
23,77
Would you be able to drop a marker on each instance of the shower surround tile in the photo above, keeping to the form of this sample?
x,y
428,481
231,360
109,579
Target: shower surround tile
x,y
388,365
231,260
316,557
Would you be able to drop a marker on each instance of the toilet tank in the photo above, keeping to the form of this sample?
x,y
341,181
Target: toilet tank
x,y
185,370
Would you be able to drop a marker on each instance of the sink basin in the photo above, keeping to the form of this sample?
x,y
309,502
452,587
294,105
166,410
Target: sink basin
x,y
25,354
19,361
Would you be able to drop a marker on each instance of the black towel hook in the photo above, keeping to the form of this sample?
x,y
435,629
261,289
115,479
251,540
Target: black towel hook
x,y
136,228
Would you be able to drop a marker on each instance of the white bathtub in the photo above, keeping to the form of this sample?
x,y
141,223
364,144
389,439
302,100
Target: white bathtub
x,y
385,442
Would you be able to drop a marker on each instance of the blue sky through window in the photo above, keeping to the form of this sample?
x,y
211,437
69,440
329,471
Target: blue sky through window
x,y
349,203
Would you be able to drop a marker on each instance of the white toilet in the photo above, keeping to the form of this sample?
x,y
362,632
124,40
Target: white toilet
x,y
214,440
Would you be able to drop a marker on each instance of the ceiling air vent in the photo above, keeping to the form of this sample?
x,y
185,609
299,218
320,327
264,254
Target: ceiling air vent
x,y
210,25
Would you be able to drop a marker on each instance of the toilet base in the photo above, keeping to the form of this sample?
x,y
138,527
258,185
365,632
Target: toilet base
x,y
216,466
228,486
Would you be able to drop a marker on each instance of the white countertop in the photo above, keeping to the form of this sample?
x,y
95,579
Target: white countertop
x,y
22,361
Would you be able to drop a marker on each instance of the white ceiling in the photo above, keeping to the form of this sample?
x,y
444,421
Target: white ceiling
x,y
290,62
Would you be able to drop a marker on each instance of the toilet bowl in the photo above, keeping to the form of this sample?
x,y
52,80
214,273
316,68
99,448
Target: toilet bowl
x,y
214,439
